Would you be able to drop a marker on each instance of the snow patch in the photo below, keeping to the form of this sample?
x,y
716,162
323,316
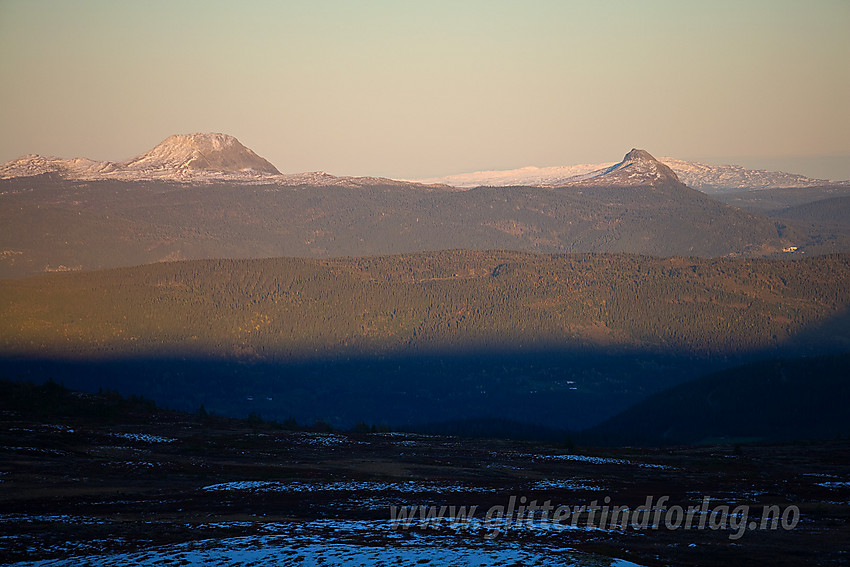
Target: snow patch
x,y
408,487
564,484
144,437
834,484
599,461
340,543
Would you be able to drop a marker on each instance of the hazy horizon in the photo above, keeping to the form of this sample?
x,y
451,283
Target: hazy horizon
x,y
410,90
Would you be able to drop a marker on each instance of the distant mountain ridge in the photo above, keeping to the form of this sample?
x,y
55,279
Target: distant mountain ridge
x,y
731,178
638,205
178,157
711,179
185,158
216,157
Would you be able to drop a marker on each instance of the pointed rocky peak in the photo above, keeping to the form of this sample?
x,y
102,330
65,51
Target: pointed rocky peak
x,y
637,168
211,152
637,155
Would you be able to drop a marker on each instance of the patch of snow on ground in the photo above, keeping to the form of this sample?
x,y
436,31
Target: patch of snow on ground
x,y
322,439
341,543
408,487
599,461
564,484
49,518
144,437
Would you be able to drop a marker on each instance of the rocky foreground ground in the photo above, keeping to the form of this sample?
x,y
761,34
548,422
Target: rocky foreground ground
x,y
134,485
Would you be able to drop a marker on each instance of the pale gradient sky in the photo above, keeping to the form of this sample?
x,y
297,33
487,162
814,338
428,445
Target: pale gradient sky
x,y
427,88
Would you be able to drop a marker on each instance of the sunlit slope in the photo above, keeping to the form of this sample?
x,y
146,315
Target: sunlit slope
x,y
281,309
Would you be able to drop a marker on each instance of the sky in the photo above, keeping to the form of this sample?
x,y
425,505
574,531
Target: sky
x,y
412,89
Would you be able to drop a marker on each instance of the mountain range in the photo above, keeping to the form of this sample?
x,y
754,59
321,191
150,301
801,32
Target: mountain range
x,y
201,158
712,179
204,158
208,196
179,157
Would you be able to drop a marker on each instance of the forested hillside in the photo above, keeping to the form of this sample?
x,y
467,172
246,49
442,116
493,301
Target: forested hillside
x,y
283,308
562,341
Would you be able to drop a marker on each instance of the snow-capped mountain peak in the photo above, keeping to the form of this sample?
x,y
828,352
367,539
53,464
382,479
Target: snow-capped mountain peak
x,y
186,158
201,152
637,167
182,157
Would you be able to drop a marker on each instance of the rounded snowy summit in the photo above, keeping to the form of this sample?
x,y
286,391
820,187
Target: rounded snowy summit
x,y
201,152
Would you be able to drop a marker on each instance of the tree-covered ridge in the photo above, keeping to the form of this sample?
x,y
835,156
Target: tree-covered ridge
x,y
285,308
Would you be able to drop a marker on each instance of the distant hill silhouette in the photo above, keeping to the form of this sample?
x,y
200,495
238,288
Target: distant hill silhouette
x,y
773,400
